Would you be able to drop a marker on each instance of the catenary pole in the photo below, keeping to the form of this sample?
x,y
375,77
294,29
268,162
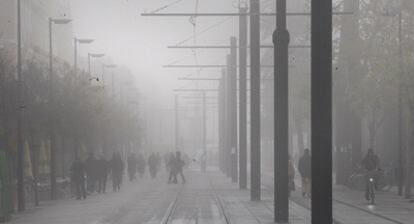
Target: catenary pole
x,y
243,98
51,118
233,109
281,104
321,111
255,163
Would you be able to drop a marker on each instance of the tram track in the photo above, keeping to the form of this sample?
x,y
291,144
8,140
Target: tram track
x,y
219,202
173,212
170,211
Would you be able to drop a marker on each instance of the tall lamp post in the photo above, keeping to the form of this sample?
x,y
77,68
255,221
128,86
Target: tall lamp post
x,y
57,21
92,55
76,42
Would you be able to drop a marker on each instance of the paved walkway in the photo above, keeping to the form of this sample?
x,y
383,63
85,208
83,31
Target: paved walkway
x,y
145,200
206,198
350,207
241,210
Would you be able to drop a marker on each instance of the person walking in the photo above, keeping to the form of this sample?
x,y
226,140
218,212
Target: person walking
x,y
103,170
158,160
304,167
78,178
117,167
91,172
179,164
132,166
172,168
141,165
153,165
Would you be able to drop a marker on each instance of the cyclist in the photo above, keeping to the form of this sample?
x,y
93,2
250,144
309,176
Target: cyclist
x,y
371,164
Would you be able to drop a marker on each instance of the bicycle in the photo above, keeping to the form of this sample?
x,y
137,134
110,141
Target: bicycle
x,y
371,178
384,180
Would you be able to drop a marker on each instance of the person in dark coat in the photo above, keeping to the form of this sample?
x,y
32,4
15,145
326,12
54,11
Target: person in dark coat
x,y
117,167
179,165
304,168
371,164
141,164
153,165
91,172
172,168
78,178
158,160
103,170
132,166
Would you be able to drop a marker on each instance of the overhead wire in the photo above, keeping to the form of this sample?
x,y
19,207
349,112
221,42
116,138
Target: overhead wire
x,y
166,6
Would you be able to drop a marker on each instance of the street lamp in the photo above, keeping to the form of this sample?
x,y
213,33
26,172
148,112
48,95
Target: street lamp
x,y
393,13
57,21
104,66
92,55
76,42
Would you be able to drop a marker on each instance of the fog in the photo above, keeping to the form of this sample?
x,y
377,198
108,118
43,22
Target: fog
x,y
123,34
206,111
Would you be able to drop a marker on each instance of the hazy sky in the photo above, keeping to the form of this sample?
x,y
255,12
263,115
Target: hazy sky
x,y
141,42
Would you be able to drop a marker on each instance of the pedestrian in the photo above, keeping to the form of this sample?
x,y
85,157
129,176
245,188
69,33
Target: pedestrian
x,y
371,164
291,173
179,164
91,172
132,166
103,170
158,160
153,165
203,162
117,167
172,168
186,160
166,158
78,178
304,167
141,165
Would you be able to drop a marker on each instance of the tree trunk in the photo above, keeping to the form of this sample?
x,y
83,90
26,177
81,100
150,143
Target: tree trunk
x,y
34,152
409,162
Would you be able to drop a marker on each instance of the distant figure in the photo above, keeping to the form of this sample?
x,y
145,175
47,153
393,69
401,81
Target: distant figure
x,y
91,172
132,166
117,167
158,160
179,164
172,168
78,178
141,165
371,164
166,158
291,173
203,162
186,160
304,167
103,170
153,165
